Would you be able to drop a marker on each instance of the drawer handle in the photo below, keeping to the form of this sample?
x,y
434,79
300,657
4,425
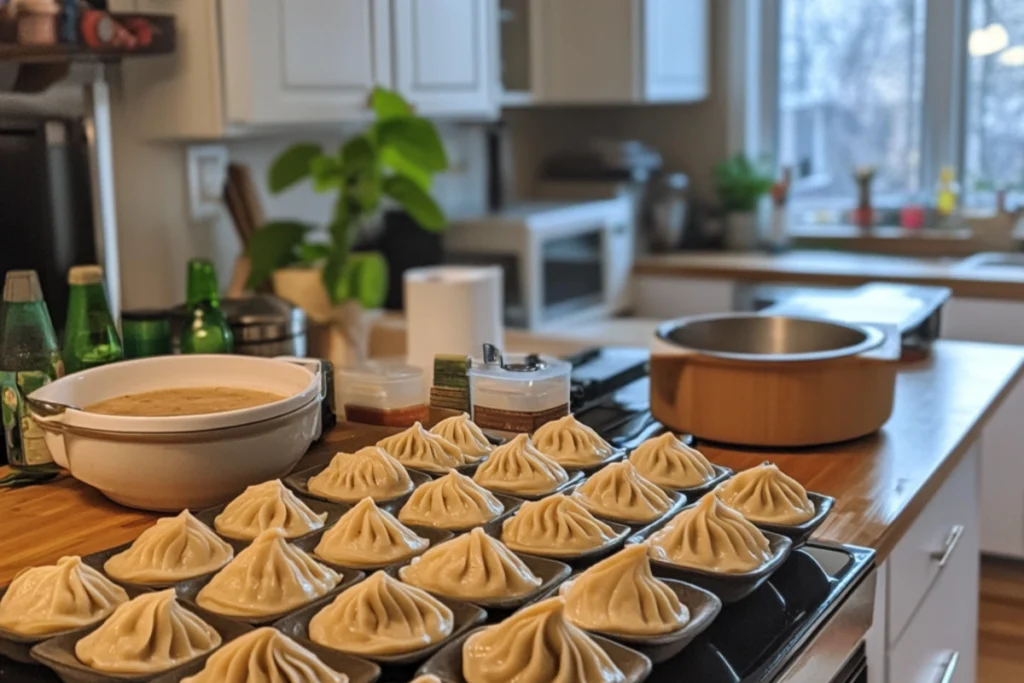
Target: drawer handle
x,y
949,670
942,556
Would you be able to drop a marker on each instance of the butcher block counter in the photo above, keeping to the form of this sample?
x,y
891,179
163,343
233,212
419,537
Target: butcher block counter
x,y
881,482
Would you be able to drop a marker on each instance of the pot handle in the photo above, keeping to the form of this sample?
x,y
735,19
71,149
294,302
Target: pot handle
x,y
316,366
891,348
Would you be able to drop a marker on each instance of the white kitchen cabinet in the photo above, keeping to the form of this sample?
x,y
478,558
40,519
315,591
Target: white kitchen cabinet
x,y
445,55
294,62
1002,462
611,51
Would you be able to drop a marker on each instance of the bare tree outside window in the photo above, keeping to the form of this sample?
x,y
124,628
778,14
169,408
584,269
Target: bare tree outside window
x,y
850,93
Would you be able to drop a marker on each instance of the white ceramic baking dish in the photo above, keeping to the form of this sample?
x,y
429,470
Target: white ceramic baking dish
x,y
170,463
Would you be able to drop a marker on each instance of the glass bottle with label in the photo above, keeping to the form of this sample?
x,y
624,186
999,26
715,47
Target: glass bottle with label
x,y
90,337
207,330
29,359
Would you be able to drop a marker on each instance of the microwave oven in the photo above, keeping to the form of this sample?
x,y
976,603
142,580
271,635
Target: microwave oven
x,y
563,262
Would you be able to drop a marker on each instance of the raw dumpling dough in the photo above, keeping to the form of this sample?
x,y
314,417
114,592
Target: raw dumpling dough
x,y
419,449
452,502
465,434
149,634
381,616
518,467
713,537
537,645
369,472
426,678
619,492
269,577
767,495
556,526
173,549
620,596
265,656
59,597
472,566
572,443
667,461
366,537
265,506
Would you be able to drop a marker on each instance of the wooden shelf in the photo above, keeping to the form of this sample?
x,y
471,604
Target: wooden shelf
x,y
164,42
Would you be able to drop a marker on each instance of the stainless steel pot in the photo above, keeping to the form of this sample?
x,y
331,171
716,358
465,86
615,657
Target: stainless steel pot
x,y
265,325
771,380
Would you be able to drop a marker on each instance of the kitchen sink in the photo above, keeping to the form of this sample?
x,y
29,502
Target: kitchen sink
x,y
1009,263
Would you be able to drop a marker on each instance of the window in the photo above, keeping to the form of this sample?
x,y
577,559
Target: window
x,y
994,149
904,86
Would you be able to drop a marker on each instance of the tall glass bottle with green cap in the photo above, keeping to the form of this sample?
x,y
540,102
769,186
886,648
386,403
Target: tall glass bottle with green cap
x,y
90,336
207,330
29,359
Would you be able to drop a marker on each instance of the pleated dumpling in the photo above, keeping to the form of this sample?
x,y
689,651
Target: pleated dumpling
x,y
620,596
266,506
452,502
419,449
667,461
712,537
518,467
537,645
265,656
269,577
149,634
367,536
465,434
173,549
369,472
555,526
619,492
767,495
472,566
58,597
572,443
382,616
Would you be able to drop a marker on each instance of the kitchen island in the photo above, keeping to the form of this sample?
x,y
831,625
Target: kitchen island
x,y
903,492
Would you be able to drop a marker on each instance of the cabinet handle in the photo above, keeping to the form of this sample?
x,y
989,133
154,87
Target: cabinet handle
x,y
942,556
949,669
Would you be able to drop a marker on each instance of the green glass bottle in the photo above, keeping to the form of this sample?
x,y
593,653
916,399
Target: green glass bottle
x,y
146,333
207,330
90,337
29,359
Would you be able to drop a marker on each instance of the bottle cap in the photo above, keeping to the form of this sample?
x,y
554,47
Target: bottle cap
x,y
22,286
85,275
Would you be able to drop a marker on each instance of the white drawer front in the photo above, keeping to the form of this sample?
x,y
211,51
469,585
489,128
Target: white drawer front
x,y
944,524
939,644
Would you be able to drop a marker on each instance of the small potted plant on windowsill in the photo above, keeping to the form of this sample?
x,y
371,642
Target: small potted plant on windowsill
x,y
390,163
740,185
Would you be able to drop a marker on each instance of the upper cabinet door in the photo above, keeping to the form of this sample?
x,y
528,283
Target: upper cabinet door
x,y
675,49
308,61
445,54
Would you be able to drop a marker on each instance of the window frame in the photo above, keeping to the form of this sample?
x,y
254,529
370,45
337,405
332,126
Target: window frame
x,y
753,90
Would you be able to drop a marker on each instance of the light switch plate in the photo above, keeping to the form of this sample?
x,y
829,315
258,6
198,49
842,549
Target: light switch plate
x,y
207,169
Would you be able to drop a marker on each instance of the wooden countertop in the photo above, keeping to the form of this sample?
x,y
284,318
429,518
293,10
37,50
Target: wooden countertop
x,y
880,482
835,268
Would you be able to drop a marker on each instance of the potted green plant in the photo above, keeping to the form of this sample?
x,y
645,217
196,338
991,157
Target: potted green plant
x,y
390,163
740,185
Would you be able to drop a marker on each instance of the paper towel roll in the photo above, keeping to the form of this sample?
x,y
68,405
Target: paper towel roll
x,y
452,309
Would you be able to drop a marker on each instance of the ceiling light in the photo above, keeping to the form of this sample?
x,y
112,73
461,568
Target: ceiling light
x,y
988,41
1012,56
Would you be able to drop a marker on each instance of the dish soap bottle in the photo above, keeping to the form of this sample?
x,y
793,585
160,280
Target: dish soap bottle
x,y
29,359
207,330
90,337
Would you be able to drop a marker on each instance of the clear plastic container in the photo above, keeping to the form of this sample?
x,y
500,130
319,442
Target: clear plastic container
x,y
388,392
513,399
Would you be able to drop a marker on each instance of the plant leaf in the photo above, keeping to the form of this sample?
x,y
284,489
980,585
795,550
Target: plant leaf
x,y
291,166
393,159
311,253
357,154
388,104
423,209
272,247
327,173
368,278
334,280
416,139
